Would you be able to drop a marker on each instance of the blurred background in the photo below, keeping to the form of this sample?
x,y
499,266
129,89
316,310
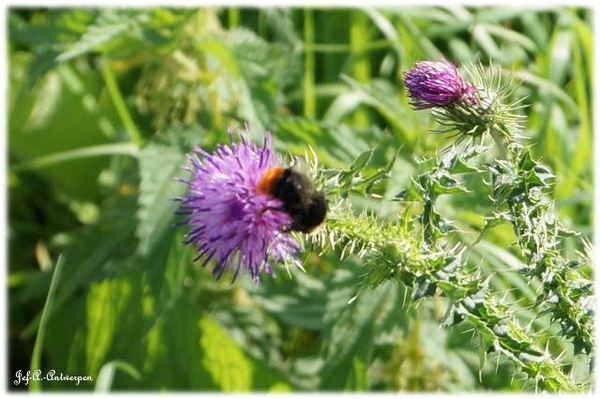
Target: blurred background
x,y
103,105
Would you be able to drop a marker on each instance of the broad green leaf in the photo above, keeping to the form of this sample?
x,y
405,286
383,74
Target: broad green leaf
x,y
103,326
229,366
61,114
171,355
107,26
354,326
113,308
299,302
160,163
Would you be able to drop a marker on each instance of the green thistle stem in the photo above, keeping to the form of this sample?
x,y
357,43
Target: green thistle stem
x,y
115,94
391,252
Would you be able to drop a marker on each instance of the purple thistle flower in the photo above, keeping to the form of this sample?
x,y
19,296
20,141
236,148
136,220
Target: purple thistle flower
x,y
230,222
437,84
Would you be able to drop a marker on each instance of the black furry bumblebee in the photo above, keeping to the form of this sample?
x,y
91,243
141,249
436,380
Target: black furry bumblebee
x,y
306,206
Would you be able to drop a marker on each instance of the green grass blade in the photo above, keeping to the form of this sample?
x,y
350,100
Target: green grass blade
x,y
233,17
107,374
361,68
510,36
310,104
583,148
387,28
415,35
36,357
85,152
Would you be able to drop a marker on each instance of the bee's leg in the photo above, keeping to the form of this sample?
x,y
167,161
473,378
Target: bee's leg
x,y
272,208
286,229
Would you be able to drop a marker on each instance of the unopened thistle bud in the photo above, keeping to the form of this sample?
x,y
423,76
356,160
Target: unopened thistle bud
x,y
472,107
437,84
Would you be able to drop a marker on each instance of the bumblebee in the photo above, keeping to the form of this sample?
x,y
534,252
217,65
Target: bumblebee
x,y
306,206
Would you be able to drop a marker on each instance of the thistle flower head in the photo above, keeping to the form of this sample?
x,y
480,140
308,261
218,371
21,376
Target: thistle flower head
x,y
437,84
230,221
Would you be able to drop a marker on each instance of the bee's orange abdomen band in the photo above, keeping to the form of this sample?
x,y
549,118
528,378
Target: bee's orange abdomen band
x,y
266,181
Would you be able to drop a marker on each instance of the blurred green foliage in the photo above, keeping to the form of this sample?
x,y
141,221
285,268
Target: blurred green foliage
x,y
105,103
